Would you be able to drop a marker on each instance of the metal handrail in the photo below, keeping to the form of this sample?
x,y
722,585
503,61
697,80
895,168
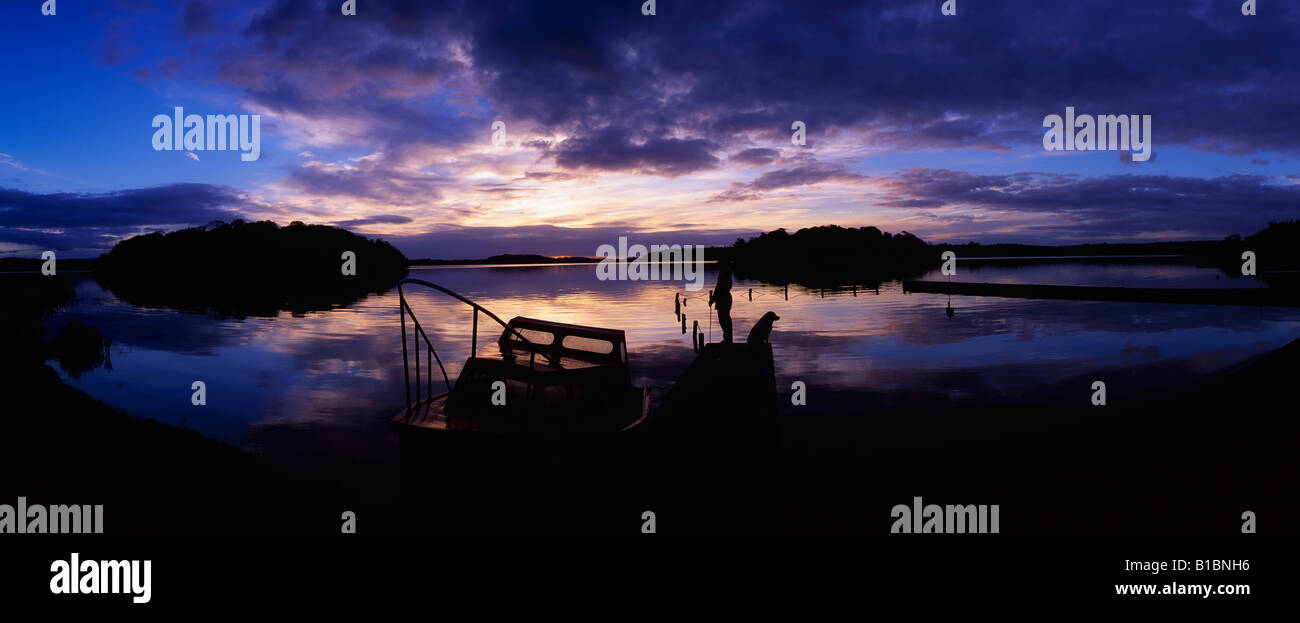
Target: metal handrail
x,y
404,309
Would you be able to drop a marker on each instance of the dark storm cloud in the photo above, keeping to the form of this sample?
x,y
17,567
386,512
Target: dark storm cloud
x,y
91,223
1102,207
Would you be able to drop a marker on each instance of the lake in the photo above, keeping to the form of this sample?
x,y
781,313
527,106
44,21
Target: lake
x,y
322,387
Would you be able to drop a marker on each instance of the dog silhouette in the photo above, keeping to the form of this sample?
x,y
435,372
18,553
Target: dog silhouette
x,y
762,329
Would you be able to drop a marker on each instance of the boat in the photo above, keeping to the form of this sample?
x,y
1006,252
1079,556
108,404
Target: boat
x,y
544,379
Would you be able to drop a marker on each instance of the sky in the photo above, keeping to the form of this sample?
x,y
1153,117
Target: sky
x,y
672,128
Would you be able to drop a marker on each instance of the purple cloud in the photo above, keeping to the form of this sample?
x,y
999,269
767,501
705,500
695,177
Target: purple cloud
x,y
802,175
613,149
1099,208
89,224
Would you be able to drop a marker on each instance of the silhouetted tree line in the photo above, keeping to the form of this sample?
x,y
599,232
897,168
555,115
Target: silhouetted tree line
x,y
1189,248
248,269
830,255
1276,248
1272,247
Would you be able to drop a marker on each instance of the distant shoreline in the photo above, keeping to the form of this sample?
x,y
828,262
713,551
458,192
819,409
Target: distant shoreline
x,y
505,260
1196,251
23,266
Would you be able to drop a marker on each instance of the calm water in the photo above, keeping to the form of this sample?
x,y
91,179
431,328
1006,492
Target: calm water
x,y
322,387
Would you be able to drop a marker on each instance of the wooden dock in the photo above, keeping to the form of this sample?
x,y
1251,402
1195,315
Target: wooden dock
x,y
729,391
1253,297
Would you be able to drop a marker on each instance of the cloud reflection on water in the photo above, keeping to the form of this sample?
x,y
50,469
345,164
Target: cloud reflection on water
x,y
322,386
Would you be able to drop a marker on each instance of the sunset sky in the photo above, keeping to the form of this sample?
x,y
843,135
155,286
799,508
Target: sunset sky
x,y
673,127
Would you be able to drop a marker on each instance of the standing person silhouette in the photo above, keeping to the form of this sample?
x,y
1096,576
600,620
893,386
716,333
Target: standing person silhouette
x,y
721,299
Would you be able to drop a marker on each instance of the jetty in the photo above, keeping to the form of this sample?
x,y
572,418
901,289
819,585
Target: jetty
x,y
729,390
1253,297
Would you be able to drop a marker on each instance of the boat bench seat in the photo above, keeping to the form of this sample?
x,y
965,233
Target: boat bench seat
x,y
558,350
540,372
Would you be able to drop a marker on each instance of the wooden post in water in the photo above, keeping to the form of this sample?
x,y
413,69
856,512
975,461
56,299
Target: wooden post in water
x,y
683,324
751,294
787,291
677,304
701,343
855,290
695,333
